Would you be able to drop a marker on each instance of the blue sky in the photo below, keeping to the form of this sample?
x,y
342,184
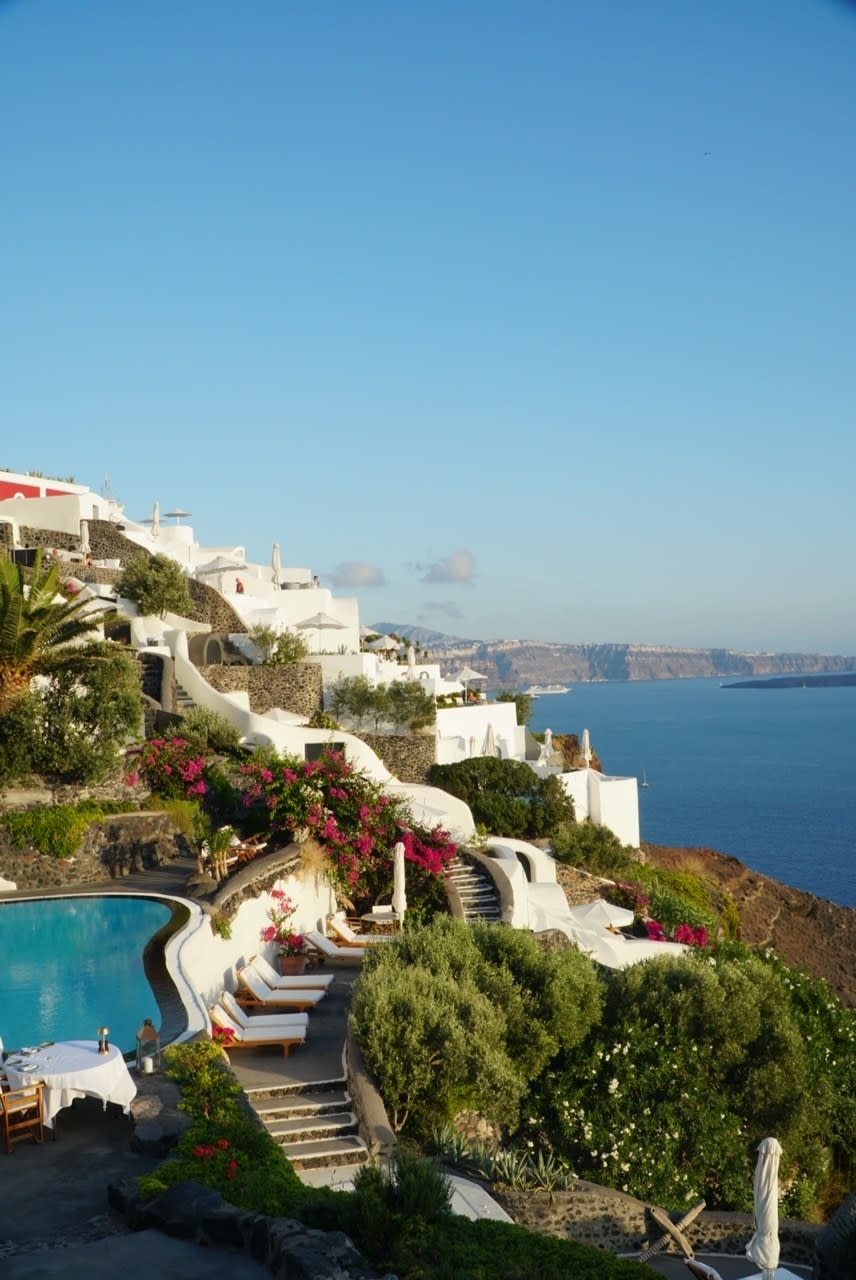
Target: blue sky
x,y
528,319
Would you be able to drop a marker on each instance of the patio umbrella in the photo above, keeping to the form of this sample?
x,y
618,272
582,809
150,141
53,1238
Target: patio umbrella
x,y
489,747
177,515
399,896
585,748
85,545
465,675
601,914
763,1248
155,519
275,564
320,622
383,645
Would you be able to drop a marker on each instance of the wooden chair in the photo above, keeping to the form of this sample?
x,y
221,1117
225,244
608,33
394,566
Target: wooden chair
x,y
23,1114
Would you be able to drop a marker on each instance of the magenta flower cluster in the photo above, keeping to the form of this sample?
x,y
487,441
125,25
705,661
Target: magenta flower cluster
x,y
349,815
170,767
279,931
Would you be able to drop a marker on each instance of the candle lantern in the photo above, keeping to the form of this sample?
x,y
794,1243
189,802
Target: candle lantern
x,y
148,1047
103,1042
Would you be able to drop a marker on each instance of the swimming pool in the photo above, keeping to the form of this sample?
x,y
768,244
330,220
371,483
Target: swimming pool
x,y
71,965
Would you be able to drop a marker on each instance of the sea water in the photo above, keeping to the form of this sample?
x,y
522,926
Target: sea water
x,y
768,775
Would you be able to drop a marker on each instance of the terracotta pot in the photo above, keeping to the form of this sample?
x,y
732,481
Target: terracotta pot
x,y
292,964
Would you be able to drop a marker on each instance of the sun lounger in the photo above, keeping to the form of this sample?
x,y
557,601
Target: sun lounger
x,y
229,1003
346,937
254,1037
253,991
329,950
288,981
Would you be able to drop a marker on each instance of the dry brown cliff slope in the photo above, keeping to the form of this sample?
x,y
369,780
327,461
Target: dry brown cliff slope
x,y
809,933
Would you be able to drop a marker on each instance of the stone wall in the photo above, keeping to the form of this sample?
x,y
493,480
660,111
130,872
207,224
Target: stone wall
x,y
112,847
294,686
619,1223
407,756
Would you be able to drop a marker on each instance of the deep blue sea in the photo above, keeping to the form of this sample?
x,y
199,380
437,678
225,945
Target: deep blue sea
x,y
768,775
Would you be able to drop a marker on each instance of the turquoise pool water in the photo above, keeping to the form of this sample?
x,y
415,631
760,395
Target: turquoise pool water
x,y
71,965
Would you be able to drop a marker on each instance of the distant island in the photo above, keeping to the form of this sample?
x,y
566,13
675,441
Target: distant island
x,y
518,664
828,680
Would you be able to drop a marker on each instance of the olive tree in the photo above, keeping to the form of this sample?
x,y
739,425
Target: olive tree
x,y
156,585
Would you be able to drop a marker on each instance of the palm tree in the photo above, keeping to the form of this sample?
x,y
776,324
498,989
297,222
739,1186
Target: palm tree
x,y
39,628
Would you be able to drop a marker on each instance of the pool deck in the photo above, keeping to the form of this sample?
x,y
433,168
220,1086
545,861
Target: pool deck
x,y
54,1217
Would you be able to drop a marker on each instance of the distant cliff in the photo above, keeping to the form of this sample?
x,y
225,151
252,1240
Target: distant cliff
x,y
519,663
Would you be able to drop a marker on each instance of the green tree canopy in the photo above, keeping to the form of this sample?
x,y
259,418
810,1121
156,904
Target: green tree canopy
x,y
506,796
156,585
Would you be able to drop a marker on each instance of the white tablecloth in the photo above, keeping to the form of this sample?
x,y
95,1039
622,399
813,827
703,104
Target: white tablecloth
x,y
72,1069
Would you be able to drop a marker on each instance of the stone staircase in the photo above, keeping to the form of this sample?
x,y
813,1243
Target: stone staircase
x,y
183,700
475,889
313,1123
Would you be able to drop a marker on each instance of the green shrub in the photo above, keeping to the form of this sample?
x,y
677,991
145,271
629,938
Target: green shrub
x,y
55,830
234,1155
156,585
208,730
506,796
587,844
454,1017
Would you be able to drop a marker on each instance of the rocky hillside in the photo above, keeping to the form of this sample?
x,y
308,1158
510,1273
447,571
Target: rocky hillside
x,y
810,933
519,663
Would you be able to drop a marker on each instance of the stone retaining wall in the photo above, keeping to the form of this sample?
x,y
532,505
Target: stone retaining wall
x,y
619,1223
114,846
407,756
294,686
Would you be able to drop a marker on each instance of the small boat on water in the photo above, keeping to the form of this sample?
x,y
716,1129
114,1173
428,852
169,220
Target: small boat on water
x,y
644,781
535,690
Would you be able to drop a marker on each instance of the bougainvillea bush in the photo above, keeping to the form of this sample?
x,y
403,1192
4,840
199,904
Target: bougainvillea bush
x,y
170,767
355,821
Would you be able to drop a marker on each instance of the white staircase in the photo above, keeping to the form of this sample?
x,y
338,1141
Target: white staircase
x,y
476,891
313,1123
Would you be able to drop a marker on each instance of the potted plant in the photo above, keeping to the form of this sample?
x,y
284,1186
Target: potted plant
x,y
291,946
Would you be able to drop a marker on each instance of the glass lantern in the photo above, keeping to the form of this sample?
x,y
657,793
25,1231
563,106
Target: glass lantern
x,y
148,1047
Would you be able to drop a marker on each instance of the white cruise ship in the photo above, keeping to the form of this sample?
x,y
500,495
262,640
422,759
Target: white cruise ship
x,y
535,690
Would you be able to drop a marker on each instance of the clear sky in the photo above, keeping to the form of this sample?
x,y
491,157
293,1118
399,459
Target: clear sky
x,y
514,318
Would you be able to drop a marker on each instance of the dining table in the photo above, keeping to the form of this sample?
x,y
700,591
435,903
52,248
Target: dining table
x,y
72,1069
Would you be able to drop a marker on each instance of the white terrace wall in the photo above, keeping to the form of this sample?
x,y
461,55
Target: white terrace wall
x,y
611,802
203,964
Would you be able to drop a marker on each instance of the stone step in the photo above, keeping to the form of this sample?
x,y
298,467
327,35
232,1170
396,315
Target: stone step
x,y
300,1104
298,1089
327,1152
312,1128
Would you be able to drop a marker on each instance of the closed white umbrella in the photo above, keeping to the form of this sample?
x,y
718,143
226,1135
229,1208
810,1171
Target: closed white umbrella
x,y
85,545
275,564
399,895
155,519
585,748
763,1248
489,747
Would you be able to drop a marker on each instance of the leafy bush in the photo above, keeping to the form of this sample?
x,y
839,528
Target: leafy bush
x,y
208,730
695,1061
410,706
54,830
74,727
506,796
453,1016
587,844
156,585
171,768
350,816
